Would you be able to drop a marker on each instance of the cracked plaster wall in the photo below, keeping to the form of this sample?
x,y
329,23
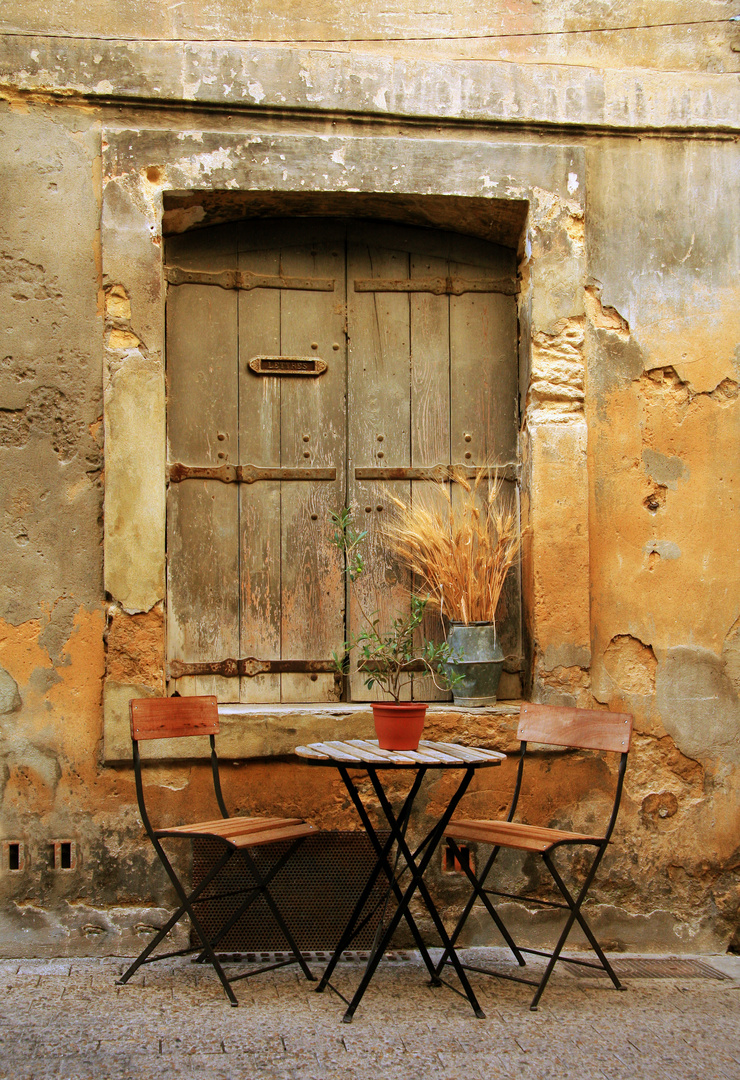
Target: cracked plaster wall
x,y
629,444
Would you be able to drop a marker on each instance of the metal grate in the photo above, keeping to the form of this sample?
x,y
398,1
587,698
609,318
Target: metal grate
x,y
317,956
668,968
315,891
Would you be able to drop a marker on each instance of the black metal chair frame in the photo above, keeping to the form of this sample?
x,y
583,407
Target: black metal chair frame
x,y
187,900
572,904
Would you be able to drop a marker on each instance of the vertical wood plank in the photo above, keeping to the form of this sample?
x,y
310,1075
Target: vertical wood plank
x,y
313,434
483,334
379,419
259,444
202,518
484,403
430,413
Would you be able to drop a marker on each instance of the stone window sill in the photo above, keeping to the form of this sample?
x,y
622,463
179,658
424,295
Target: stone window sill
x,y
265,731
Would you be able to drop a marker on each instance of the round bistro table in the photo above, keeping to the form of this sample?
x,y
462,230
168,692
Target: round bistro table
x,y
364,754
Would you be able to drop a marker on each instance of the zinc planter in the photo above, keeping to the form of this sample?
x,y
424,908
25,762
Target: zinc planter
x,y
399,724
480,665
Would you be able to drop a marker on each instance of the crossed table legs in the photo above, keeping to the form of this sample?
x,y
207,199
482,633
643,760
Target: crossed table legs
x,y
416,863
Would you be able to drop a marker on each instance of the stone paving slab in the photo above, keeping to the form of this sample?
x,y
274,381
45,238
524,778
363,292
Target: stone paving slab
x,y
68,1019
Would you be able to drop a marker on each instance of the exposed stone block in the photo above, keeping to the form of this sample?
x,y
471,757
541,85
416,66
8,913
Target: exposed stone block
x,y
10,699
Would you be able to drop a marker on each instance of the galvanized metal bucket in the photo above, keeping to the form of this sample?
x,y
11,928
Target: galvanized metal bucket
x,y
480,663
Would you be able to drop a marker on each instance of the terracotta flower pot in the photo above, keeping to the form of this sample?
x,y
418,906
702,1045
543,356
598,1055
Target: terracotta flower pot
x,y
399,724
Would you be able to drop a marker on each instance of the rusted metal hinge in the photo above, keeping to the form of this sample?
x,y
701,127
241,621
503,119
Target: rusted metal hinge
x,y
439,473
245,279
440,286
249,666
244,474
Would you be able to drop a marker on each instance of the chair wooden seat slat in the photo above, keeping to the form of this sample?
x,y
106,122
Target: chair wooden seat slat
x,y
244,838
515,834
185,717
233,825
583,729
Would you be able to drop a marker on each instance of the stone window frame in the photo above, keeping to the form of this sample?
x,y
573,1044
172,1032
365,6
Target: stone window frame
x,y
139,167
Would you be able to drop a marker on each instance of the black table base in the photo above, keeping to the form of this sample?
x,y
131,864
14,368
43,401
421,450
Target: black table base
x,y
416,863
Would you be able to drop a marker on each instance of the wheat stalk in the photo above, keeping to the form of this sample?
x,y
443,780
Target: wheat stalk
x,y
460,541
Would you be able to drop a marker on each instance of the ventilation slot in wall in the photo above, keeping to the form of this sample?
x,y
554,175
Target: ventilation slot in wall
x,y
13,855
452,863
63,855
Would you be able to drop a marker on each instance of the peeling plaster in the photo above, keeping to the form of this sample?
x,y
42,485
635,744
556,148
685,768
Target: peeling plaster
x,y
698,703
631,664
666,549
665,469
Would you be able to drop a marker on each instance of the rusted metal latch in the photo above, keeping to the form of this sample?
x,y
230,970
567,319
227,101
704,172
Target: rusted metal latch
x,y
440,286
245,279
287,365
249,666
440,473
244,474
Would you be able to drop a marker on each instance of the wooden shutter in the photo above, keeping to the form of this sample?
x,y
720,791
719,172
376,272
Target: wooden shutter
x,y
417,332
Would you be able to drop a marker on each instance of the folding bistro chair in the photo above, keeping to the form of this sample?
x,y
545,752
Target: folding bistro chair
x,y
583,729
179,717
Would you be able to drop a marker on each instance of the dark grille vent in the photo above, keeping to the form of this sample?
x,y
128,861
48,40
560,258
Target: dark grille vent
x,y
670,968
315,891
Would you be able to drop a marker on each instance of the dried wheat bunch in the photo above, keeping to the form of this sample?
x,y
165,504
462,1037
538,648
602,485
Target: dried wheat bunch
x,y
460,541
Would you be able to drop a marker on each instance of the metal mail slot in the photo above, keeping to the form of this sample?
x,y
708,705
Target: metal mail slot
x,y
287,365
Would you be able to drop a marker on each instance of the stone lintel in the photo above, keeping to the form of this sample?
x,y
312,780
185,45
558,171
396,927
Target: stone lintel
x,y
303,79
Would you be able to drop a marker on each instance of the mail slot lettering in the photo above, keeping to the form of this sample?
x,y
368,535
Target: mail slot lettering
x,y
287,365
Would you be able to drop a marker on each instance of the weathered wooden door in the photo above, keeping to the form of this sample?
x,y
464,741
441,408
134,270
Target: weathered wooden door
x,y
315,364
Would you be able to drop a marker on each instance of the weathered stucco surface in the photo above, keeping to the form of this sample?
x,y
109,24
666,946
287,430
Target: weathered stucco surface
x,y
608,158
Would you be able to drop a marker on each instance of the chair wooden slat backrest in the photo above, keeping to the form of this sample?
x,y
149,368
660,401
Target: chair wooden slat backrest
x,y
172,718
584,729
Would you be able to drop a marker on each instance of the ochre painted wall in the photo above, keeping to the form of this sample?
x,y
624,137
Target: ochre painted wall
x,y
642,489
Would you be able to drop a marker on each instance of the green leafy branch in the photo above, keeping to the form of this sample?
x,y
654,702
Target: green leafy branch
x,y
387,658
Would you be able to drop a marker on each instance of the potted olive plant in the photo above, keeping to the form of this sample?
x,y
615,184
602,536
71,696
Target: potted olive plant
x,y
388,657
460,544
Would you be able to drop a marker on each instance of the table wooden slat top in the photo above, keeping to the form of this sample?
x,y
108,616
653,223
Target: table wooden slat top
x,y
367,752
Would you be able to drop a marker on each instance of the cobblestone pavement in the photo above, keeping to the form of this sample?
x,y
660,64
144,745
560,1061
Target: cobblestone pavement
x,y
68,1019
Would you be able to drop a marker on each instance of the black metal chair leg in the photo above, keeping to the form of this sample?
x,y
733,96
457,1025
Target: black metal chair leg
x,y
175,918
188,908
479,893
575,906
